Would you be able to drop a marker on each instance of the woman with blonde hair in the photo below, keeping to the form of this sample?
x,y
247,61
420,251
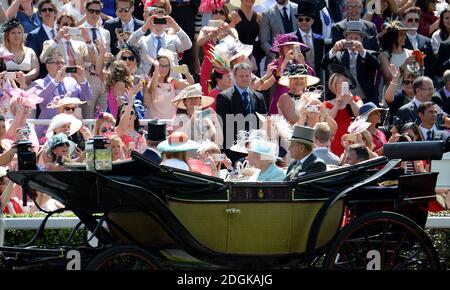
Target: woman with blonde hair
x,y
25,61
117,147
343,106
104,125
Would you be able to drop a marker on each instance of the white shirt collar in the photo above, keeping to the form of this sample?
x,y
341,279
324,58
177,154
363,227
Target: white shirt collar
x,y
154,35
412,34
280,7
48,30
417,102
129,24
90,26
304,158
425,130
305,33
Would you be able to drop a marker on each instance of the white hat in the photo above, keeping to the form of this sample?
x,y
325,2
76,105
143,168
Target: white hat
x,y
192,91
58,102
60,120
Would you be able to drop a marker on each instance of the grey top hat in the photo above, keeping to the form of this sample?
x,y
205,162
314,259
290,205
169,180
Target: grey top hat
x,y
303,135
355,27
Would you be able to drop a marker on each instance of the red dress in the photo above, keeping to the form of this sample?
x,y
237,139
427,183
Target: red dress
x,y
213,93
378,140
205,73
343,120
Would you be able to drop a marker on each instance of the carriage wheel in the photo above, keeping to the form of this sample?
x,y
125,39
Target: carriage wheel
x,y
382,241
123,258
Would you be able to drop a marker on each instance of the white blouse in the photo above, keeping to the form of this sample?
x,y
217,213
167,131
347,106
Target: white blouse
x,y
25,65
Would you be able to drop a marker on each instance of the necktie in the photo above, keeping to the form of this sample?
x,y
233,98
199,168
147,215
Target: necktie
x,y
70,54
159,45
414,42
94,34
60,89
310,53
430,135
52,32
326,19
286,21
247,104
294,171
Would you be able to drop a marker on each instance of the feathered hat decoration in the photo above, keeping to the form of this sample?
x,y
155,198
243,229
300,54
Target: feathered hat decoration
x,y
207,6
5,55
10,24
30,97
149,3
219,64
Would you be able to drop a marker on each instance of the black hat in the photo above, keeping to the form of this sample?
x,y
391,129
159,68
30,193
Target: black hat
x,y
10,24
307,8
156,131
337,68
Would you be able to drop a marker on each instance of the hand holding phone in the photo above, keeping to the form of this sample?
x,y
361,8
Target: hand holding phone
x,y
179,69
10,75
217,157
159,20
74,31
296,50
344,88
348,44
71,69
215,23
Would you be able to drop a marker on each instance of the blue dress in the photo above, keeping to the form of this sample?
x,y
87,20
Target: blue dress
x,y
272,173
29,23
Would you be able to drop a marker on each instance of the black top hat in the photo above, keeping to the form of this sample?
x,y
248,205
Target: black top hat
x,y
306,8
337,68
156,131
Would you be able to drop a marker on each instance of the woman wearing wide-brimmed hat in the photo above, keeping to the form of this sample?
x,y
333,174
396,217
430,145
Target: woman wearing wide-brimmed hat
x,y
283,46
174,150
297,79
388,12
372,114
392,43
262,154
198,123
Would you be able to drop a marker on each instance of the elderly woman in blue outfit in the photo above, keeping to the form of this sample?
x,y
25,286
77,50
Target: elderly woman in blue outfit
x,y
262,154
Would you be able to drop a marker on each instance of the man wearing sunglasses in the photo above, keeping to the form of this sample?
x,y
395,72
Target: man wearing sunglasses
x,y
411,19
121,27
97,34
307,9
35,39
59,83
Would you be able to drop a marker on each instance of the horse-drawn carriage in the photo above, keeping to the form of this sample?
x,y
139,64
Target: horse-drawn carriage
x,y
146,216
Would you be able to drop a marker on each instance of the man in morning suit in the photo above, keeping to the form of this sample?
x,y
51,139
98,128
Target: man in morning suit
x,y
156,133
301,149
237,107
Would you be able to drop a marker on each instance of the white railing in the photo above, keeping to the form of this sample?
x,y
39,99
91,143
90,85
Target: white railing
x,y
91,122
70,222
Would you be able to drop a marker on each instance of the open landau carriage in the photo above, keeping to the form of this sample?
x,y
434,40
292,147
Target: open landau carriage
x,y
146,216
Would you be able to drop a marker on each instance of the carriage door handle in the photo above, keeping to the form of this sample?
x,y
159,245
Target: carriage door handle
x,y
233,211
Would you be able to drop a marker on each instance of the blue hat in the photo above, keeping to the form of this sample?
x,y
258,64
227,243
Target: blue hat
x,y
268,150
368,108
177,142
59,139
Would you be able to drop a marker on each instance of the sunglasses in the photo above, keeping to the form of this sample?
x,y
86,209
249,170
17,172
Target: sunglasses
x,y
43,10
131,113
121,10
408,82
67,24
219,12
125,58
410,20
70,109
306,19
94,11
104,130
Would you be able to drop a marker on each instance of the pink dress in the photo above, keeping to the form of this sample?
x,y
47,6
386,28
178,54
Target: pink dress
x,y
161,106
112,102
139,143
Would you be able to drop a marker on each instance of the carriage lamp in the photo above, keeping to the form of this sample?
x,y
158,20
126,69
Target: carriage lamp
x,y
98,157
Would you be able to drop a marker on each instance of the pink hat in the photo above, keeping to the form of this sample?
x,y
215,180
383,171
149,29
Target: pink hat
x,y
30,97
